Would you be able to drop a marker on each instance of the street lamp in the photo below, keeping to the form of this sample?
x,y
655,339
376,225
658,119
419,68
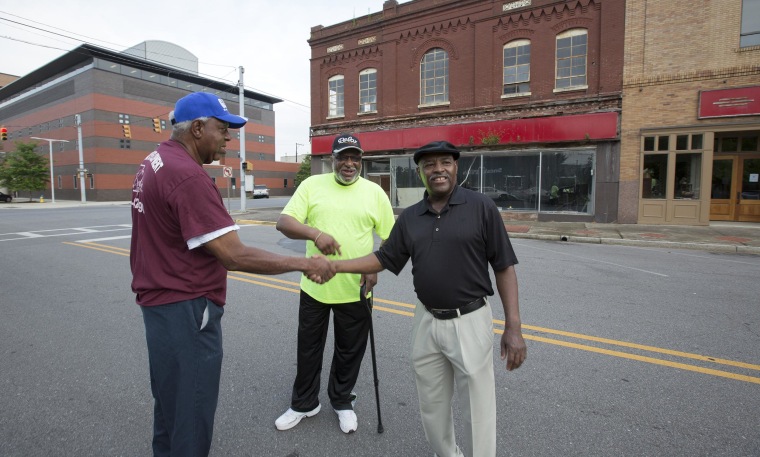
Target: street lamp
x,y
52,183
297,144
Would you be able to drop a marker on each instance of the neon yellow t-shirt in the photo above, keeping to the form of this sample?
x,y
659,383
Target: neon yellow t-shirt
x,y
350,214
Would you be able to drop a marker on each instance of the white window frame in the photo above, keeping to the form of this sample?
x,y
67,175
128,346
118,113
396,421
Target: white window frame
x,y
750,31
517,69
368,91
335,96
434,78
572,61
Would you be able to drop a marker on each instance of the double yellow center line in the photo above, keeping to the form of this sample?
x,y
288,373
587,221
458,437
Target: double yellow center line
x,y
639,352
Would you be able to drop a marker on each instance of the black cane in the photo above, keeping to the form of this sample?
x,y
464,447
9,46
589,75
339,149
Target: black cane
x,y
368,304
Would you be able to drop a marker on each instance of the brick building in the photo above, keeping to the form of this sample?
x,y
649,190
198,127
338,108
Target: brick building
x,y
529,90
691,112
123,102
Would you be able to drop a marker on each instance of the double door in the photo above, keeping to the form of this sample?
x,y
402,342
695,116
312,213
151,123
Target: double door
x,y
735,194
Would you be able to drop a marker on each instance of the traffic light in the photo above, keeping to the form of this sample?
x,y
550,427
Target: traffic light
x,y
127,131
4,133
157,125
245,166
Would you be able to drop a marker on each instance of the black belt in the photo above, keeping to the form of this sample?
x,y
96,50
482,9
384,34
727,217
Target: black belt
x,y
456,312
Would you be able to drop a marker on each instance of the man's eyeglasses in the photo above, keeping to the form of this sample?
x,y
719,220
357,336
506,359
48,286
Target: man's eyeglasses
x,y
345,158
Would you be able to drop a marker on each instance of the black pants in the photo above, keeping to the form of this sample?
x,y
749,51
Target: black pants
x,y
351,327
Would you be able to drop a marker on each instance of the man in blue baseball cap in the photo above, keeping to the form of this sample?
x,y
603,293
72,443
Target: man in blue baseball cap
x,y
183,243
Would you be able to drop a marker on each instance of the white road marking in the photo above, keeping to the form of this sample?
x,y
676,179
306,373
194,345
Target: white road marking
x,y
595,261
94,240
63,232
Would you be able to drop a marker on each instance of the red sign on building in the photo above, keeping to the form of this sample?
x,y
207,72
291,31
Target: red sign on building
x,y
554,129
743,101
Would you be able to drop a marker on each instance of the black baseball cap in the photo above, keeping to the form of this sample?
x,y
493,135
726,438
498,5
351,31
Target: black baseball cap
x,y
346,141
436,147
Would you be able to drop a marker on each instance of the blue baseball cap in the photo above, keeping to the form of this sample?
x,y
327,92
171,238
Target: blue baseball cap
x,y
203,104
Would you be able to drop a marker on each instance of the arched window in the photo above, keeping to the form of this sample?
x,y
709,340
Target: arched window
x,y
571,59
434,77
368,91
335,96
517,67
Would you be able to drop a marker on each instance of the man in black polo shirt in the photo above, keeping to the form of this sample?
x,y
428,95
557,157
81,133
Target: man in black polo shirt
x,y
452,235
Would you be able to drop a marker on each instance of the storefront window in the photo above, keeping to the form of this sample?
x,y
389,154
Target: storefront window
x,y
649,143
512,181
682,142
663,143
688,176
749,144
406,188
751,180
555,180
566,181
654,177
696,141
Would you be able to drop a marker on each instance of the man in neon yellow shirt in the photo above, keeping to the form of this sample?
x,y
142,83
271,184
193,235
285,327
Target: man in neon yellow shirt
x,y
337,214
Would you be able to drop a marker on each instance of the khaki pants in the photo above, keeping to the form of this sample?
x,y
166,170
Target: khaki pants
x,y
445,352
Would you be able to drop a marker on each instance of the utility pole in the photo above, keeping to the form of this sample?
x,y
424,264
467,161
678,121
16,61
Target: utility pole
x,y
82,170
241,92
297,144
52,183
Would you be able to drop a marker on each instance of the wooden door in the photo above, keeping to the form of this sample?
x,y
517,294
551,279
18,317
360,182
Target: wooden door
x,y
748,188
723,192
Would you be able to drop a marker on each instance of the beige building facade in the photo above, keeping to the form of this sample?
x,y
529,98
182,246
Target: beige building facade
x,y
690,129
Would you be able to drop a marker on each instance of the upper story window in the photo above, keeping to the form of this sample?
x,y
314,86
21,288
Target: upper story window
x,y
434,77
368,91
517,67
335,96
123,118
750,23
571,59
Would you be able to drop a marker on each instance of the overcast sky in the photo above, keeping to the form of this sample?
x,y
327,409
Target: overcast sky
x,y
268,38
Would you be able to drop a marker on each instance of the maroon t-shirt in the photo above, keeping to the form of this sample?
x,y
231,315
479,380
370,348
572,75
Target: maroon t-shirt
x,y
174,200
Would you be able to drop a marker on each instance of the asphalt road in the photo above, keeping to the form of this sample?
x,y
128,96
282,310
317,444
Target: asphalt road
x,y
631,351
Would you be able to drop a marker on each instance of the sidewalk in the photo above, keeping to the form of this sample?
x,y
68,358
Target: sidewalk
x,y
726,237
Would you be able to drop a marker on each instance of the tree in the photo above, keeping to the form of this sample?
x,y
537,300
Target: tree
x,y
304,171
24,169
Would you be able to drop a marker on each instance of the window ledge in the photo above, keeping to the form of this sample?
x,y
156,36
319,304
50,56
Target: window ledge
x,y
517,95
342,116
433,105
364,113
754,47
570,89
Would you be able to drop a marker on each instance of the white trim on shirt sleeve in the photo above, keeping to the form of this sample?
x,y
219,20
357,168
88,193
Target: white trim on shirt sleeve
x,y
197,241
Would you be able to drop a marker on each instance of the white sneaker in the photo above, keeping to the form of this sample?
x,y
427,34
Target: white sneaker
x,y
291,418
348,421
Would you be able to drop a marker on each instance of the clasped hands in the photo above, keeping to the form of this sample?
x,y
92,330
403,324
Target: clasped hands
x,y
323,270
320,269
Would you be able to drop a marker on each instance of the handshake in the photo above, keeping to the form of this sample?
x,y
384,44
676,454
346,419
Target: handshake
x,y
319,269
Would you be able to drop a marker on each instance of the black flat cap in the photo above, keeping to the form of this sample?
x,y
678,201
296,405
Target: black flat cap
x,y
436,147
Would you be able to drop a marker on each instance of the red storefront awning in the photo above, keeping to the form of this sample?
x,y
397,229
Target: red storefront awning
x,y
597,126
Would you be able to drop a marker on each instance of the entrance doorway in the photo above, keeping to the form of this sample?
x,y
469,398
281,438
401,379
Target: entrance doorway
x,y
735,194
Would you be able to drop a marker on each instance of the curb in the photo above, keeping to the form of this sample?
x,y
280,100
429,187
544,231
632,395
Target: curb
x,y
250,222
711,247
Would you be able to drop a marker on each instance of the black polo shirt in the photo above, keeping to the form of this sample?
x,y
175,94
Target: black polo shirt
x,y
450,251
